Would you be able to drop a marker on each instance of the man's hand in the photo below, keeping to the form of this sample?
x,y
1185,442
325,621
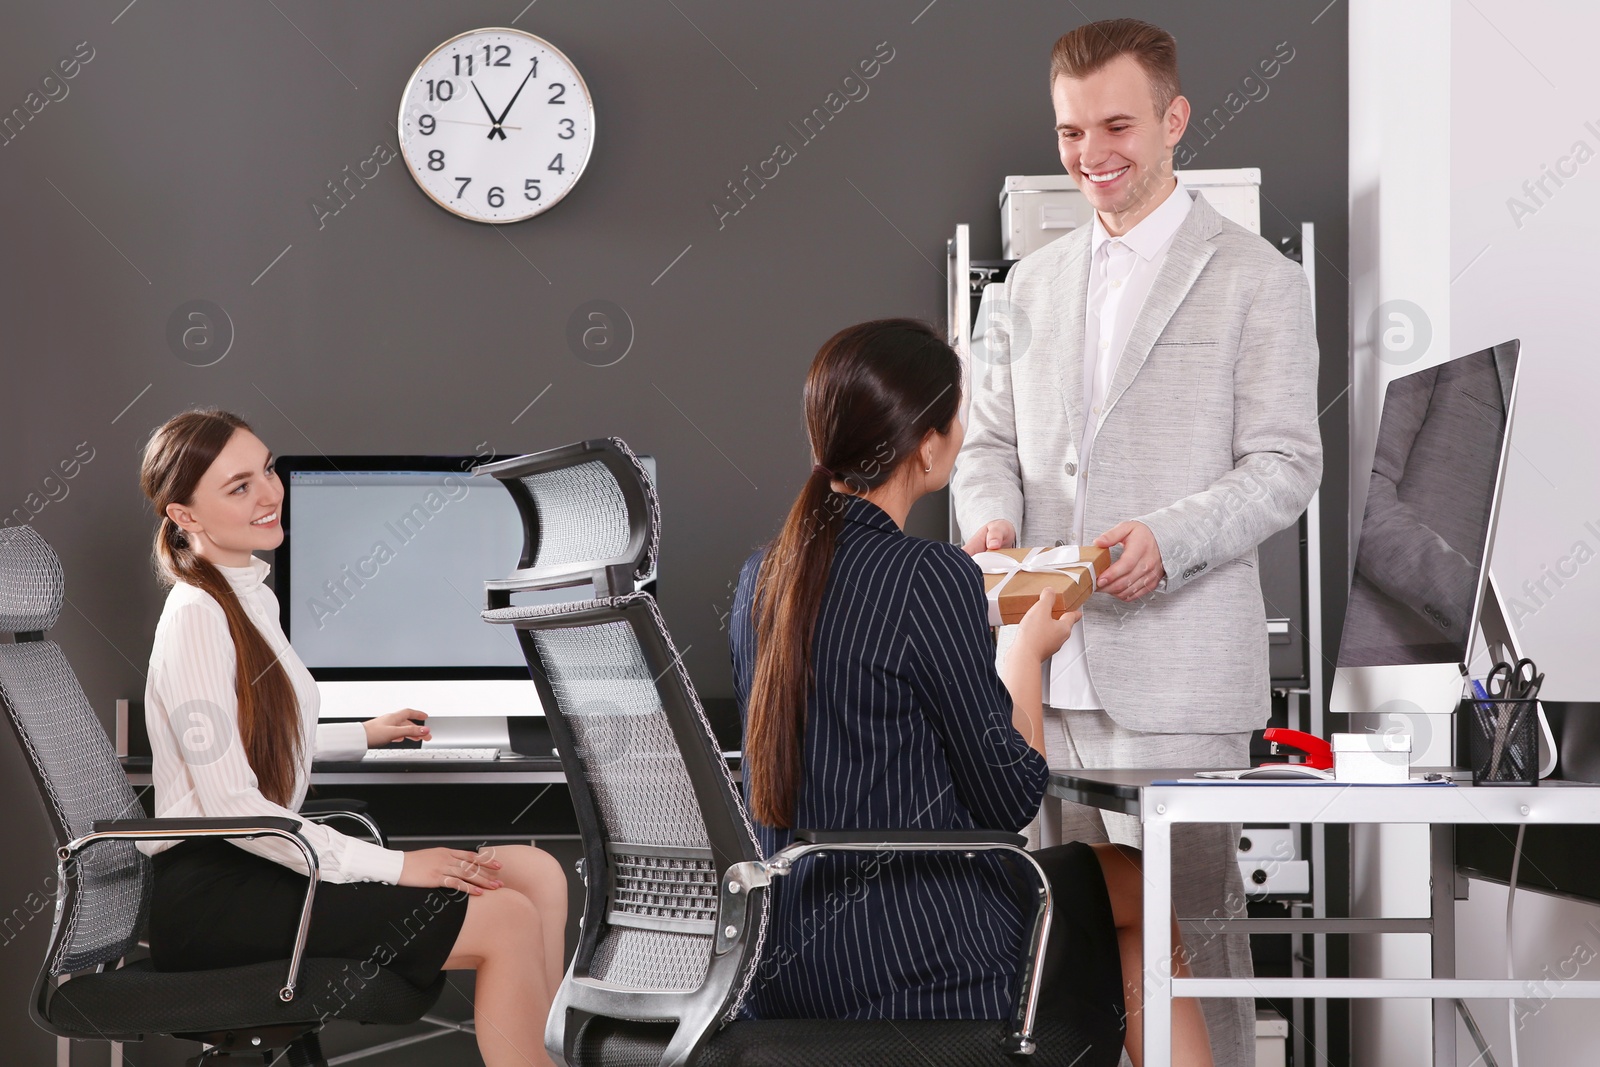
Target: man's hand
x,y
997,534
396,726
1140,568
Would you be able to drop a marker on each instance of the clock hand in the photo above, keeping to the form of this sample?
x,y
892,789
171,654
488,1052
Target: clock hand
x,y
514,96
469,122
494,122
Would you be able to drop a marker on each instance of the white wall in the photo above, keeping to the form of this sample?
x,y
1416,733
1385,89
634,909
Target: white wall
x,y
1525,89
1400,136
1453,108
1557,940
1525,96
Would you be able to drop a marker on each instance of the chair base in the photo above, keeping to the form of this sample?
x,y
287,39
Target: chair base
x,y
299,1044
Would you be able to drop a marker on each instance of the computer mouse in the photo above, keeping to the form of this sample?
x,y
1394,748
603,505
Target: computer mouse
x,y
1286,771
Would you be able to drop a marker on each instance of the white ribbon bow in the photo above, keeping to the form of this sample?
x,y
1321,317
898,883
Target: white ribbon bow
x,y
1062,559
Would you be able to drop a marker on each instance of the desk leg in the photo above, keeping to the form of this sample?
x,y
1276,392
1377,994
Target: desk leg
x,y
1157,943
1442,898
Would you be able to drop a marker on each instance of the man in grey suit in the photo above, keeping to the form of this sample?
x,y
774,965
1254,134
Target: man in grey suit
x,y
1154,387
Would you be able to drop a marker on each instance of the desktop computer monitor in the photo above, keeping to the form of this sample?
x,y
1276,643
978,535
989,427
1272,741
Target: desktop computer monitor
x,y
1427,535
380,583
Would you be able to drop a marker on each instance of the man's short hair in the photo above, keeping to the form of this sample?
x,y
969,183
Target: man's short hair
x,y
1090,47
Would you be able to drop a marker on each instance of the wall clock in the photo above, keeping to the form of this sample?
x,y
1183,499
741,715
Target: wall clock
x,y
496,125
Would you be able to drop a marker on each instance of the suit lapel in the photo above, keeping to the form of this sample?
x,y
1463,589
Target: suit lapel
x,y
1070,323
1190,250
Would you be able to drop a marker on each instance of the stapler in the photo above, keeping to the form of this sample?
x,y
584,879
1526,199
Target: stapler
x,y
1318,762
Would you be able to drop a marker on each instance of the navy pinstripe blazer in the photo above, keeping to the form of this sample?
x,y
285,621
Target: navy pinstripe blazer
x,y
908,726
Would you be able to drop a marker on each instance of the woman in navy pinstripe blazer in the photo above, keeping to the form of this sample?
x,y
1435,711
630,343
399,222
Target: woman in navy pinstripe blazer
x,y
892,716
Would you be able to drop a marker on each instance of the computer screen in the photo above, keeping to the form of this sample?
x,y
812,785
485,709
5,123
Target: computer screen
x,y
1427,528
385,566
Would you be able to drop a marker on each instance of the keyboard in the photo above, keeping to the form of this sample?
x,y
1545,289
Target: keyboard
x,y
426,754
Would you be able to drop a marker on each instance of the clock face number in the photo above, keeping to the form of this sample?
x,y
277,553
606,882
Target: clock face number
x,y
476,101
496,55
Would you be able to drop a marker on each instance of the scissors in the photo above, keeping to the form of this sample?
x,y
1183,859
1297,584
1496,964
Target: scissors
x,y
1514,681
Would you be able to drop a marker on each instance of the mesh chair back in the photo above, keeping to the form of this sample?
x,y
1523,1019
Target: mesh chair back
x,y
100,905
589,511
660,814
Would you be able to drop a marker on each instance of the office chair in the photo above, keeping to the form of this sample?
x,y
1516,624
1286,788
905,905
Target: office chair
x,y
675,884
87,986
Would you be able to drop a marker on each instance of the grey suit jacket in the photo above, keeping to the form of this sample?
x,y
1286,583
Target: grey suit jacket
x,y
1209,437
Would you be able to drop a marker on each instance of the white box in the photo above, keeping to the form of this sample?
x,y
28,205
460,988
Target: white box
x,y
1267,843
1272,1039
1275,878
1372,758
1036,209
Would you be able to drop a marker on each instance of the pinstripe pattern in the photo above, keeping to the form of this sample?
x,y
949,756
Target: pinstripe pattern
x,y
908,726
191,710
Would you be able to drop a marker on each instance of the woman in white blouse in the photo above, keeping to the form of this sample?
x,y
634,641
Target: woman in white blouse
x,y
232,716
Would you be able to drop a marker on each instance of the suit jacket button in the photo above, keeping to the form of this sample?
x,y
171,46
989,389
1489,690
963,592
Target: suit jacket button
x,y
1072,469
1060,542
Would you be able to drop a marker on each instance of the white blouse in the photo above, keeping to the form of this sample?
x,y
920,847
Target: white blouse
x,y
191,710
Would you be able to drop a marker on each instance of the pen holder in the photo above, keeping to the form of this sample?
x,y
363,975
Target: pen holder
x,y
1503,741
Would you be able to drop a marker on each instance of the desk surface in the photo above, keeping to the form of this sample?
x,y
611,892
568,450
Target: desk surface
x,y
504,771
1552,801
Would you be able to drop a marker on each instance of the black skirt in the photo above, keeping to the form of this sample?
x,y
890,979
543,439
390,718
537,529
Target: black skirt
x,y
1081,973
216,905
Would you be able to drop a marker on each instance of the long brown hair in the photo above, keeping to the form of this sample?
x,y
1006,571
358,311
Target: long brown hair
x,y
178,455
874,392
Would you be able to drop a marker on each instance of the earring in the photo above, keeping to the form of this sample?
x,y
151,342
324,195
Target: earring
x,y
928,469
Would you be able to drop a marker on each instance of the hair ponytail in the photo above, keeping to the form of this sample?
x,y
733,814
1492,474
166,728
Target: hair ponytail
x,y
178,454
874,392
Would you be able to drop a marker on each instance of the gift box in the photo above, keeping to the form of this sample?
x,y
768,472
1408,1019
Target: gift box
x,y
1014,578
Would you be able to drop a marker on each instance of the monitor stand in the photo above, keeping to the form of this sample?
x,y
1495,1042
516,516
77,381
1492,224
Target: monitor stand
x,y
1418,699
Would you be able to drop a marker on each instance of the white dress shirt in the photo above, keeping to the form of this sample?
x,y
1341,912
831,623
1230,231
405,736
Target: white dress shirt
x,y
191,710
1121,272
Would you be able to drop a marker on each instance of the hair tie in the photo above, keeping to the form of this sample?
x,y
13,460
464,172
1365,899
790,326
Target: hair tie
x,y
817,468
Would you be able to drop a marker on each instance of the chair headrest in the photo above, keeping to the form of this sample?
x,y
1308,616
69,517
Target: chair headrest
x,y
585,507
31,585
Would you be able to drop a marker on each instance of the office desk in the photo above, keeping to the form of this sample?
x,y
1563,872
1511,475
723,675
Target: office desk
x,y
461,803
519,771
1160,804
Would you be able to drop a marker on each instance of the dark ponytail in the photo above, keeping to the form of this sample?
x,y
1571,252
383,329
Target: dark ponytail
x,y
178,455
874,393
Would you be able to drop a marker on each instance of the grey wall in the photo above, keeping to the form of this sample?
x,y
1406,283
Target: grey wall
x,y
188,149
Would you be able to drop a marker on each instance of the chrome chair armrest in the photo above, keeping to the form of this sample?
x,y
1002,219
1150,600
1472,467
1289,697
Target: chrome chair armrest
x,y
225,829
1021,1041
365,820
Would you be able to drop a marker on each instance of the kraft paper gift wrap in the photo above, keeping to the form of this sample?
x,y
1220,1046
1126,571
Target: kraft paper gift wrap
x,y
1014,578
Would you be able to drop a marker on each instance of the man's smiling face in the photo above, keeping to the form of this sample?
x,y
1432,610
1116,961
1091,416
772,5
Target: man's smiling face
x,y
1113,142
